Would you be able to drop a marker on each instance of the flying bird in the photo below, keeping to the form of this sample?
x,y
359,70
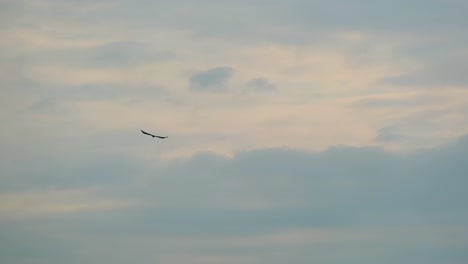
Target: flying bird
x,y
146,133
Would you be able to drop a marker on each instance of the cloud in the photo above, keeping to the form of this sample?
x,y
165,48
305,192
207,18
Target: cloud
x,y
122,54
107,54
370,180
440,73
265,200
406,100
261,85
389,134
103,92
367,180
56,202
301,21
213,80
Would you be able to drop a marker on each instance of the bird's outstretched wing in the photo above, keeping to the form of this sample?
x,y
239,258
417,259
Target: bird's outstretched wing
x,y
146,133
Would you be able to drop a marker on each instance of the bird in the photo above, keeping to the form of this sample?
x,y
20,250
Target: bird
x,y
146,133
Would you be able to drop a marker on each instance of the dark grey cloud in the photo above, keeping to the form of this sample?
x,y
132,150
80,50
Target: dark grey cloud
x,y
261,85
213,80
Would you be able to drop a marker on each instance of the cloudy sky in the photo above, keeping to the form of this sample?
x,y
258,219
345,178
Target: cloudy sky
x,y
300,131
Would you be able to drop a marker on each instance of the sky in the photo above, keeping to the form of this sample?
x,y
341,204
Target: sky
x,y
299,131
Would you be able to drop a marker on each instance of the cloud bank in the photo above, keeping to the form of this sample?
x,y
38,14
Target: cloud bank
x,y
342,200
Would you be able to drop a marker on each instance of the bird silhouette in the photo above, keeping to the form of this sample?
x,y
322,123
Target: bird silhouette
x,y
146,133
